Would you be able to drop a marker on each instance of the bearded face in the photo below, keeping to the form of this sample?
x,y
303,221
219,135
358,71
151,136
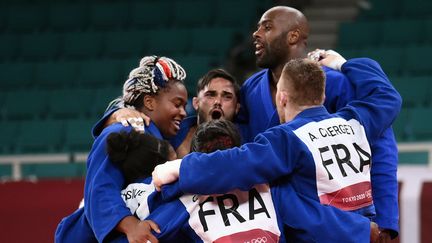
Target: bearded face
x,y
271,51
216,101
281,35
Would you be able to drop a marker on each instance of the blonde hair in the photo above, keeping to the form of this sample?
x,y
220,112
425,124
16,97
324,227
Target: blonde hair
x,y
306,80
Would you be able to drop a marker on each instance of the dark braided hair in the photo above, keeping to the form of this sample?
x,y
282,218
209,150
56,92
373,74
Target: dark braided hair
x,y
136,154
215,135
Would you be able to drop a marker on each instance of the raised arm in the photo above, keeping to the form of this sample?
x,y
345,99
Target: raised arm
x,y
339,91
377,102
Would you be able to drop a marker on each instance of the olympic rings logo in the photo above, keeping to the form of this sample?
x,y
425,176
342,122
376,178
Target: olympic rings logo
x,y
258,240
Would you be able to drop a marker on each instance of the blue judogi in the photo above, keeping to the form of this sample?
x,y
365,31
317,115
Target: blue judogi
x,y
326,157
104,207
175,141
245,216
258,113
74,228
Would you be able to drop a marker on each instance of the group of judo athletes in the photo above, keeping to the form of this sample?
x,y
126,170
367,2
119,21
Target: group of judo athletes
x,y
277,183
281,36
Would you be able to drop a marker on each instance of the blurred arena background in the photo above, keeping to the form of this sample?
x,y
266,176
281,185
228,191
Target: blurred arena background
x,y
62,61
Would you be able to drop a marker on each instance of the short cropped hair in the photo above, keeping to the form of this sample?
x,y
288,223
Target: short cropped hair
x,y
306,80
215,135
136,154
217,73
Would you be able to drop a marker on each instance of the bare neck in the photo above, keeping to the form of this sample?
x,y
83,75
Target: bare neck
x,y
291,111
185,146
274,79
275,74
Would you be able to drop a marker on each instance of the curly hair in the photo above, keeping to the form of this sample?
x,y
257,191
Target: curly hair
x,y
136,154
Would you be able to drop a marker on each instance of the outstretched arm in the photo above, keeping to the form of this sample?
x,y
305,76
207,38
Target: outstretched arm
x,y
262,161
384,182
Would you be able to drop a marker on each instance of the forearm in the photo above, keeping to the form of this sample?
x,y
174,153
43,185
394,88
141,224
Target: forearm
x,y
137,230
171,217
104,220
127,224
384,182
239,168
377,103
313,222
104,206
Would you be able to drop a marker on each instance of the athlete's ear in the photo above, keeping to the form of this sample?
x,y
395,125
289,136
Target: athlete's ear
x,y
293,36
149,102
283,98
237,108
195,103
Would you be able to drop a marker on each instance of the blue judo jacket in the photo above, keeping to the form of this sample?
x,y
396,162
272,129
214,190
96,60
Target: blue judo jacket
x,y
258,113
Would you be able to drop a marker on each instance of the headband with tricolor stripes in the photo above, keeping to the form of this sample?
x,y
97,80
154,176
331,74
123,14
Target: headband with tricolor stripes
x,y
152,73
